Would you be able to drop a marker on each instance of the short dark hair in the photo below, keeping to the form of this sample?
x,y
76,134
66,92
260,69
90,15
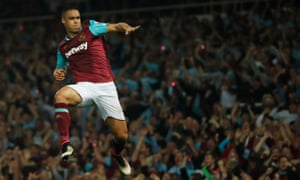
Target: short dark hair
x,y
69,6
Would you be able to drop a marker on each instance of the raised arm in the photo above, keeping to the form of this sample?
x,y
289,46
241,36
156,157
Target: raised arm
x,y
121,27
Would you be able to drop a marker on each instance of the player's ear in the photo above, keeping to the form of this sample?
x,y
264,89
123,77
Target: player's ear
x,y
63,20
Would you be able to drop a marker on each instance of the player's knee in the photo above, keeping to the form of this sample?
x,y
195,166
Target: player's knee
x,y
68,96
60,98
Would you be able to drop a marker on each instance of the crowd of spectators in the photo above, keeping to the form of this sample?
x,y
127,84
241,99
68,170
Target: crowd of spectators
x,y
206,97
33,8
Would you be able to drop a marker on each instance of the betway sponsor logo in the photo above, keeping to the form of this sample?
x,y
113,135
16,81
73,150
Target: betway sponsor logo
x,y
74,50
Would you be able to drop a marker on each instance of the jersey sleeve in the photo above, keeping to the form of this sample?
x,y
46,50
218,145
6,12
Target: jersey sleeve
x,y
98,28
61,62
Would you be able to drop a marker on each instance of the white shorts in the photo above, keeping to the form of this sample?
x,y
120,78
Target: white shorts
x,y
103,95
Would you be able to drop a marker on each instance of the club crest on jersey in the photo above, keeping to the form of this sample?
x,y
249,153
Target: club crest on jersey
x,y
81,38
81,47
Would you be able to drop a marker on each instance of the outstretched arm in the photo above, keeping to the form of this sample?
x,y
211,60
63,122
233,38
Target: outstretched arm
x,y
122,27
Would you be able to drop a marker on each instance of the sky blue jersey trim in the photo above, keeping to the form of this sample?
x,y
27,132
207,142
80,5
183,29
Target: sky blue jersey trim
x,y
98,28
61,61
61,110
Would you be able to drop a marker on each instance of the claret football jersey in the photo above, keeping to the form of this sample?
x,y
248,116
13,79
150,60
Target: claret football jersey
x,y
85,54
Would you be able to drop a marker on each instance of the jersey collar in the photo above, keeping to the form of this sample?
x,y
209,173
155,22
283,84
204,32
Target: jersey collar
x,y
67,38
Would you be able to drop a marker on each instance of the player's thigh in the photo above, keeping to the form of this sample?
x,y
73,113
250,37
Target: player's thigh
x,y
113,115
67,95
107,102
86,91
